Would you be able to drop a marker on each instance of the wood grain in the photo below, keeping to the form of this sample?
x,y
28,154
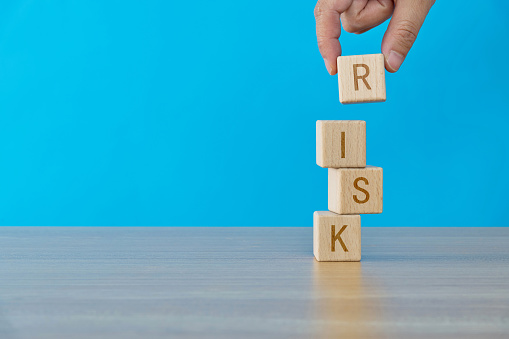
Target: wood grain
x,y
356,190
156,282
336,237
361,78
341,143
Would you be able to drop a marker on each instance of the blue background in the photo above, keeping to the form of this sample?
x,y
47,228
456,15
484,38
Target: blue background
x,y
203,113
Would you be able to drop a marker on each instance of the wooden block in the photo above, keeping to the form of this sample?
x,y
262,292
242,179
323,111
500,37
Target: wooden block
x,y
341,143
336,237
356,190
361,78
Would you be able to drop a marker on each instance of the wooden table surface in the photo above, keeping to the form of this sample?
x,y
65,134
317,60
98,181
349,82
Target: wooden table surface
x,y
69,282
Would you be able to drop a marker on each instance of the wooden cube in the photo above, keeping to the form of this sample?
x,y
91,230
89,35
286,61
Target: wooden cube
x,y
356,190
361,78
341,143
336,237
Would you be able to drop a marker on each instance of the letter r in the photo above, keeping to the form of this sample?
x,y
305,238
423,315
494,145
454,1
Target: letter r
x,y
357,77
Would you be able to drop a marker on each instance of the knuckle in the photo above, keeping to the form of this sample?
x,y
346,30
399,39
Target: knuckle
x,y
321,44
318,9
406,33
350,26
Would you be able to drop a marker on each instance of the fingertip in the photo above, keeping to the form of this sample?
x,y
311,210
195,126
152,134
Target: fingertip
x,y
331,67
335,66
327,65
393,61
388,68
330,57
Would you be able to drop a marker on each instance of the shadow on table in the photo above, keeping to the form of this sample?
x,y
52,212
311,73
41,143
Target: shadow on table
x,y
345,303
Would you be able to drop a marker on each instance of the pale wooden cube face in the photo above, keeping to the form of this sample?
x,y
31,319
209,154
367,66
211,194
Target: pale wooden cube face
x,y
340,143
336,237
361,78
356,190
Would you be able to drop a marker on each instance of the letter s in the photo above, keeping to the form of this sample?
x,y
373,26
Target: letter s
x,y
356,186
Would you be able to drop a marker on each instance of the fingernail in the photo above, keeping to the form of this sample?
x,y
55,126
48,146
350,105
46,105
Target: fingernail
x,y
395,60
327,65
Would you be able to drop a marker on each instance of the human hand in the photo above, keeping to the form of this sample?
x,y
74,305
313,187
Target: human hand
x,y
359,16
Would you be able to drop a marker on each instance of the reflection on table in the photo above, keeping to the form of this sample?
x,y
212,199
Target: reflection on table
x,y
344,301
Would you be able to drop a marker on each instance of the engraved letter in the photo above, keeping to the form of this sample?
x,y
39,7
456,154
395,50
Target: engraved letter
x,y
357,77
337,237
356,186
343,147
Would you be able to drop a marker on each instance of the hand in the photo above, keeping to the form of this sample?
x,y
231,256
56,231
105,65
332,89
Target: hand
x,y
359,16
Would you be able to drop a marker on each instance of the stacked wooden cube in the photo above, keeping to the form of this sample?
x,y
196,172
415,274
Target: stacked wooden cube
x,y
354,188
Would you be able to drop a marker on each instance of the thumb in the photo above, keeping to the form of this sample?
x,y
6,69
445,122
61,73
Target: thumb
x,y
402,31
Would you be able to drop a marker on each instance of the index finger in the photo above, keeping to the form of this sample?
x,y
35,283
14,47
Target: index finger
x,y
328,30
